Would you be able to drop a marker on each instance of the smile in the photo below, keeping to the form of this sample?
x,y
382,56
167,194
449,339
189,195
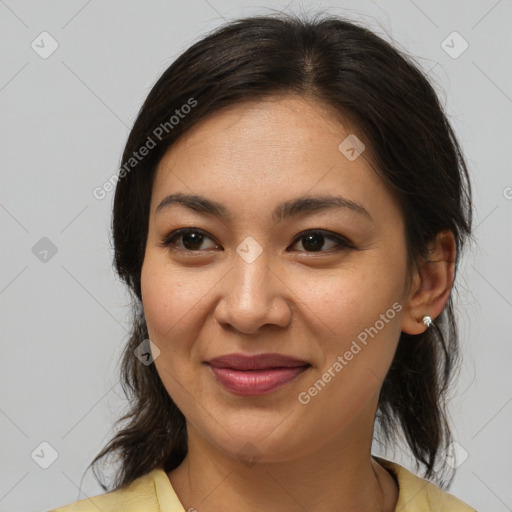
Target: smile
x,y
256,382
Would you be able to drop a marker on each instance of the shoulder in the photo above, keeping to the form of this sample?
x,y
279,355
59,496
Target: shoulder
x,y
145,493
419,495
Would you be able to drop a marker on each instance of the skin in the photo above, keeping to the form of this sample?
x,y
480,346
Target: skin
x,y
209,301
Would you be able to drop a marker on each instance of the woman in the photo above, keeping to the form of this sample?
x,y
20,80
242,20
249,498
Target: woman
x,y
289,216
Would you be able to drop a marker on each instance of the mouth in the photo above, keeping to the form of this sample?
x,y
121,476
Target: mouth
x,y
246,375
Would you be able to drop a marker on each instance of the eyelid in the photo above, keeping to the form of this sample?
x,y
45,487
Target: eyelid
x,y
343,242
167,240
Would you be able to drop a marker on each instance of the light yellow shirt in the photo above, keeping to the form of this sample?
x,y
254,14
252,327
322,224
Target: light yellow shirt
x,y
153,492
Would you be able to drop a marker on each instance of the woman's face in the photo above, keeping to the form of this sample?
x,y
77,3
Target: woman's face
x,y
257,280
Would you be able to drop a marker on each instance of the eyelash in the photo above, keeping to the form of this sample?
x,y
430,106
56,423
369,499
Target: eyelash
x,y
343,243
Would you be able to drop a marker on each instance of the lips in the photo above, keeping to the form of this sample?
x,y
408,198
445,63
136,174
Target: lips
x,y
258,362
256,375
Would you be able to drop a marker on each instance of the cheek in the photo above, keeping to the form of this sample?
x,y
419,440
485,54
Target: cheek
x,y
170,297
360,312
353,299
172,307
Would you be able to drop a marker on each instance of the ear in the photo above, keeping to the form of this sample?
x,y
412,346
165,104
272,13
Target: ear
x,y
431,284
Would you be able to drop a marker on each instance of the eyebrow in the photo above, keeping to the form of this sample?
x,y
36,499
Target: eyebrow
x,y
284,210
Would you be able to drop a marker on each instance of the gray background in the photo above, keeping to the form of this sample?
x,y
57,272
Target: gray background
x,y
64,122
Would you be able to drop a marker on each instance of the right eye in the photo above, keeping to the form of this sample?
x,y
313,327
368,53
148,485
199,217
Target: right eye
x,y
187,239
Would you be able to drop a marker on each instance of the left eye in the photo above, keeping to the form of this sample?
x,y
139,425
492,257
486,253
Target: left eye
x,y
313,241
190,239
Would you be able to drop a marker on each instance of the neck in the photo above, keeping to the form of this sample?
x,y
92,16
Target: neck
x,y
341,476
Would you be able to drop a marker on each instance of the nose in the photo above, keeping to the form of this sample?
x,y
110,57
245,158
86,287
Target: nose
x,y
253,295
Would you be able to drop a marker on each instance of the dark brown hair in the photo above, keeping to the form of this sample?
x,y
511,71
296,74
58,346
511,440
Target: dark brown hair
x,y
414,149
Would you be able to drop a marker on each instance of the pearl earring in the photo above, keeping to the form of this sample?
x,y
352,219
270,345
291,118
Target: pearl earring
x,y
427,321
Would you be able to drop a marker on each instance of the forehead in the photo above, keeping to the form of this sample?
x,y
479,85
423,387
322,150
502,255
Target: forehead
x,y
260,152
281,123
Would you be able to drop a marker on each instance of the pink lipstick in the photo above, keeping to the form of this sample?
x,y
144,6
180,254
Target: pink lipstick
x,y
256,375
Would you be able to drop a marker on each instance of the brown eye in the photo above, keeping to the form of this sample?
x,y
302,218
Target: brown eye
x,y
314,241
192,239
189,239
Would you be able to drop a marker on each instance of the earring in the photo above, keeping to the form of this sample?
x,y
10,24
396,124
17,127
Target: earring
x,y
427,321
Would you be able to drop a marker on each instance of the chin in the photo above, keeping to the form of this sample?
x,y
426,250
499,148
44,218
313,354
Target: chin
x,y
250,444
